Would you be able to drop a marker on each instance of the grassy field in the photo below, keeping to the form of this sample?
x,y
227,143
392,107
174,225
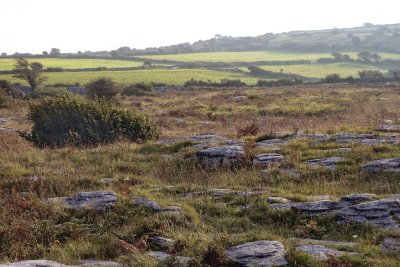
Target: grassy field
x,y
31,229
254,56
8,63
167,76
322,70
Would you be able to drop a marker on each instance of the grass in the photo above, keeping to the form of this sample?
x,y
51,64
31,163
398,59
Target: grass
x,y
254,56
322,70
8,63
31,230
167,76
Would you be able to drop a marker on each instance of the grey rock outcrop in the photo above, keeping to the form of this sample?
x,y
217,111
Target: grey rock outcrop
x,y
161,242
268,159
329,163
392,164
221,156
382,213
390,244
258,253
96,200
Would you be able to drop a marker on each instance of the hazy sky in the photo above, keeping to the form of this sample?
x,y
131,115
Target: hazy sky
x,y
72,25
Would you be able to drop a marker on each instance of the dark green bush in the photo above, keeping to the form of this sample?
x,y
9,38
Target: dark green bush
x,y
58,122
138,89
101,88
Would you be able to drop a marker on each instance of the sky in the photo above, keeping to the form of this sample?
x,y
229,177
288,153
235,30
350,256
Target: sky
x,y
80,25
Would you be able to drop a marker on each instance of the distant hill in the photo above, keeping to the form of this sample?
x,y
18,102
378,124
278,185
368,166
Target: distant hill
x,y
379,38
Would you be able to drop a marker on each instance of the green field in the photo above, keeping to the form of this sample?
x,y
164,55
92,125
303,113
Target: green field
x,y
8,63
254,56
172,77
321,70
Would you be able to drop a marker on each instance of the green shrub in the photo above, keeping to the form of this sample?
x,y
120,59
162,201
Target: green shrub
x,y
101,88
138,89
58,122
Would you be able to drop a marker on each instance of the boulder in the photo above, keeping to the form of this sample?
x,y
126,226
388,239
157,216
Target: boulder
x,y
268,159
329,163
258,253
392,164
221,156
382,213
390,244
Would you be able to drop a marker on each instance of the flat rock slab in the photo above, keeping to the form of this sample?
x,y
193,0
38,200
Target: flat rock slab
x,y
321,207
258,253
390,244
389,128
329,163
321,252
46,263
268,159
98,200
392,164
221,156
383,213
153,206
358,198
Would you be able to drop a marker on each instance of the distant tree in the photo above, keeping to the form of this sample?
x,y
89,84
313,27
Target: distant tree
x,y
376,57
55,52
368,25
337,56
147,64
365,56
29,72
101,88
3,54
356,40
370,74
45,53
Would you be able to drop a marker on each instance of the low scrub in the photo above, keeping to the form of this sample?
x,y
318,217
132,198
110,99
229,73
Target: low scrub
x,y
59,122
